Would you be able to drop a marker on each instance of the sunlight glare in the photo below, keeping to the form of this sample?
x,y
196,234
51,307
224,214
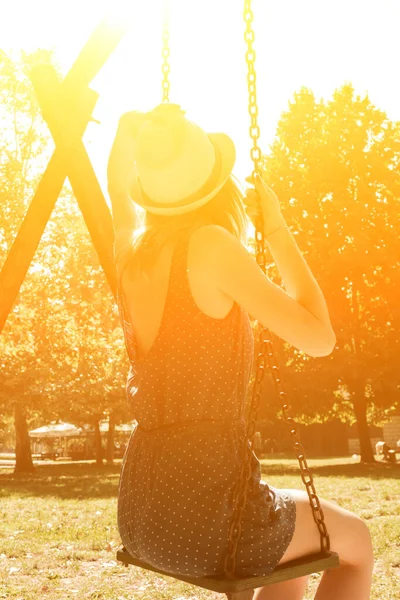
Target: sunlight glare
x,y
126,11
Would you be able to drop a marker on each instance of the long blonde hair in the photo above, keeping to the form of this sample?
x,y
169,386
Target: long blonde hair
x,y
225,209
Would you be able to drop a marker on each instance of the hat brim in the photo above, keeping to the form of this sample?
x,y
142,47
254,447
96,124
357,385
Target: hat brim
x,y
226,149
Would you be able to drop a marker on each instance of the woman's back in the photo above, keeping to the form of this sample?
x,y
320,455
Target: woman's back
x,y
146,295
221,273
181,468
190,365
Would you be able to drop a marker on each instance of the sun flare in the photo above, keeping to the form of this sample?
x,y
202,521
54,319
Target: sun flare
x,y
294,47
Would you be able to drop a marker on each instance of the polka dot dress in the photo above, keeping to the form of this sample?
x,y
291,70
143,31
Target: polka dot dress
x,y
183,459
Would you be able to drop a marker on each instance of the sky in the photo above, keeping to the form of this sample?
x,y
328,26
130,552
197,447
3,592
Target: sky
x,y
320,44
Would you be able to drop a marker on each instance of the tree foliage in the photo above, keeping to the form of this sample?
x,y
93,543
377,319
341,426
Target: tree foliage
x,y
62,349
334,165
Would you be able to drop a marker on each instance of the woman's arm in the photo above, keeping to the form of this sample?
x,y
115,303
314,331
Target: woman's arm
x,y
304,323
120,172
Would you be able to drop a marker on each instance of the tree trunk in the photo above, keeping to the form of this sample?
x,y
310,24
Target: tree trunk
x,y
360,409
97,443
358,385
23,454
110,439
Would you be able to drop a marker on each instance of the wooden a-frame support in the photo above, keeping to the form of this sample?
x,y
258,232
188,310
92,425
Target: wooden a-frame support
x,y
67,108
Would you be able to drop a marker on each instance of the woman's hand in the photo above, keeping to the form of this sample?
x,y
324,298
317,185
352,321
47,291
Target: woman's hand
x,y
261,201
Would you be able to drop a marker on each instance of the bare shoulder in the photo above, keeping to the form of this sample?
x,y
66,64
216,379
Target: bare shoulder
x,y
235,272
216,241
214,234
214,251
221,252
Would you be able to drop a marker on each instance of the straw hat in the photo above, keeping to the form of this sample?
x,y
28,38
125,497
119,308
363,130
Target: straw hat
x,y
178,167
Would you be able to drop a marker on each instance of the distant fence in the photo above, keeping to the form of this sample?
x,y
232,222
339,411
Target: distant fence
x,y
390,435
354,444
391,432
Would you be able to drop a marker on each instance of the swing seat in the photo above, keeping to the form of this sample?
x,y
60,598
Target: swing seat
x,y
312,563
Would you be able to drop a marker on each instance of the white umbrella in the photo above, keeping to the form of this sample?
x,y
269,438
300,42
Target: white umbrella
x,y
55,430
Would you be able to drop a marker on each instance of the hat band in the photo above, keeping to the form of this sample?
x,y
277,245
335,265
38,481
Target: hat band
x,y
205,189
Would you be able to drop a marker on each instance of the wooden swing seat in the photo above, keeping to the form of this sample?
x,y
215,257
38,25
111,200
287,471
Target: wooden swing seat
x,y
312,563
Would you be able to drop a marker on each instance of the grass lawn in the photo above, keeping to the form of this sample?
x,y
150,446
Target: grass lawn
x,y
58,533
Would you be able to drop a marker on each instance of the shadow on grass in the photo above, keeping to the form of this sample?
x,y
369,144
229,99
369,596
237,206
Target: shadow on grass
x,y
71,481
84,480
377,470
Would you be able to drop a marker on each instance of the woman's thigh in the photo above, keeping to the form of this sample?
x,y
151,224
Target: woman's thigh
x,y
349,535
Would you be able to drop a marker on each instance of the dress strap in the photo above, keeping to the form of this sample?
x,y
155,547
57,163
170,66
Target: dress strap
x,y
178,289
177,279
126,324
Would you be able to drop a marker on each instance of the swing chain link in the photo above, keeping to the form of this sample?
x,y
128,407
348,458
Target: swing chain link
x,y
165,53
265,358
298,447
254,129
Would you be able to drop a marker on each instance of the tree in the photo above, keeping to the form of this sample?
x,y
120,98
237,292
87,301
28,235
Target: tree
x,y
23,145
334,165
62,349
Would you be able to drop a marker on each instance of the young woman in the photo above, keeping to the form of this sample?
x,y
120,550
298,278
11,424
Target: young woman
x,y
187,285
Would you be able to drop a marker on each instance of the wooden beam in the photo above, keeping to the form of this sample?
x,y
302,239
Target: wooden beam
x,y
101,44
74,94
27,240
60,118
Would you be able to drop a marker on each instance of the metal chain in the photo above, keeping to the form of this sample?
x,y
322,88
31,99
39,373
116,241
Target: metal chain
x,y
165,53
254,129
298,447
266,357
